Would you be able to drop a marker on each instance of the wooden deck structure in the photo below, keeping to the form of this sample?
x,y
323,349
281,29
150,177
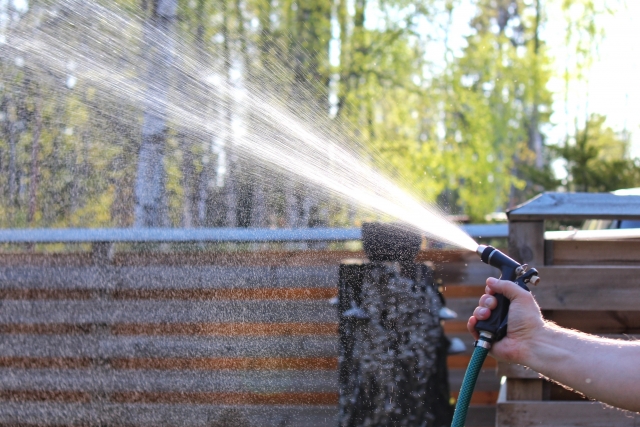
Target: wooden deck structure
x,y
589,285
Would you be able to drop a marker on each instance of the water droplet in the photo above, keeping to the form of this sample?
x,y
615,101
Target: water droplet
x,y
71,82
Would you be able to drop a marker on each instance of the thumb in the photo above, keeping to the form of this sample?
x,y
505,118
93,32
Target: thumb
x,y
506,288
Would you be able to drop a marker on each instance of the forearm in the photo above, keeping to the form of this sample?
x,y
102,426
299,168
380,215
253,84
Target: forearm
x,y
602,369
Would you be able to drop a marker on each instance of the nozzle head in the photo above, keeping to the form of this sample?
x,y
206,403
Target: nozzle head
x,y
486,252
481,249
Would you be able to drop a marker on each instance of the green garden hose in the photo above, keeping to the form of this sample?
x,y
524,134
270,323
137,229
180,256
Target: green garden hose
x,y
468,384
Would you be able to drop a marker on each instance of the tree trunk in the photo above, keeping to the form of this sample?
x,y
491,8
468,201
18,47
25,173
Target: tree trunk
x,y
290,204
202,184
203,193
149,189
35,147
534,134
259,206
11,132
188,176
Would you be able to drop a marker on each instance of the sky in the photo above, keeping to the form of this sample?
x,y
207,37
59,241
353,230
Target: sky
x,y
614,79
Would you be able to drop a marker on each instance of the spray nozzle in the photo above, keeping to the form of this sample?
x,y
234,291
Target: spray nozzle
x,y
510,269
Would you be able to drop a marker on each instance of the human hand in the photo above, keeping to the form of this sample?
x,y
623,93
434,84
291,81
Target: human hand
x,y
525,320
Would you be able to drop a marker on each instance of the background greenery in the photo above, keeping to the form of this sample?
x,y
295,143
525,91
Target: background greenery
x,y
462,128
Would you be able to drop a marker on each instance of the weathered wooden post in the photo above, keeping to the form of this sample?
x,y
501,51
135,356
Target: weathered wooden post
x,y
589,284
393,352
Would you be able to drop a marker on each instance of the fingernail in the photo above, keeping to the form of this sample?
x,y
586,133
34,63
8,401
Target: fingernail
x,y
491,281
483,311
489,301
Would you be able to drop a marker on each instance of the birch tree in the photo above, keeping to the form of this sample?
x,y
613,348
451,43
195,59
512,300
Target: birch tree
x,y
150,204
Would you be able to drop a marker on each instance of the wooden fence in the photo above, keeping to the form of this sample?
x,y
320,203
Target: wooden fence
x,y
205,339
589,285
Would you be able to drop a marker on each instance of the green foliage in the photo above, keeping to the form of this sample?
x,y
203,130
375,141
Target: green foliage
x,y
492,93
463,134
597,159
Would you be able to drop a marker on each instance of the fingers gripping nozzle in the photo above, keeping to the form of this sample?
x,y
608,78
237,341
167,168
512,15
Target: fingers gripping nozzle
x,y
495,327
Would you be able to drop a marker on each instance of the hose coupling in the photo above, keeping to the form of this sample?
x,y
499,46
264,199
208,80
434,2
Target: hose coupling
x,y
485,340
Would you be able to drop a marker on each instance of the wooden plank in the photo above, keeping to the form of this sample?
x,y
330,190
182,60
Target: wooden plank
x,y
487,380
463,291
229,398
167,277
451,292
234,259
229,363
562,414
577,206
47,362
481,416
524,389
183,294
588,288
44,395
228,329
456,326
613,234
105,346
205,381
34,294
191,329
595,253
461,361
183,397
170,311
604,322
526,242
169,415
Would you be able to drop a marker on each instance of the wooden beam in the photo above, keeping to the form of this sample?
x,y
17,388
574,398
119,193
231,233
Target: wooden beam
x,y
564,414
524,389
526,242
602,322
588,288
170,311
577,206
165,346
136,414
624,252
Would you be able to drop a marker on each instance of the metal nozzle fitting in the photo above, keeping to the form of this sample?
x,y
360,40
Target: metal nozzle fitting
x,y
485,340
480,249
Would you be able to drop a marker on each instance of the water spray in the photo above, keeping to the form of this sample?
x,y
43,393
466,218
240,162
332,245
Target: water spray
x,y
495,327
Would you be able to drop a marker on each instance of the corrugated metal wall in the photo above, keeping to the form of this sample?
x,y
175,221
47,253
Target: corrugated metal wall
x,y
236,339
